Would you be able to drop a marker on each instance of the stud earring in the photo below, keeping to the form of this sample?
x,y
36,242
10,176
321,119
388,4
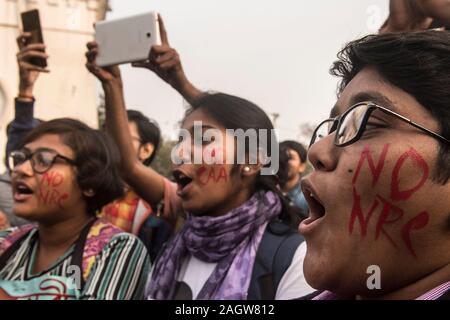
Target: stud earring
x,y
90,193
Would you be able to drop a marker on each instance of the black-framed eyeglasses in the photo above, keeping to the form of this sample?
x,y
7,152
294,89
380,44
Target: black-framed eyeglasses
x,y
41,159
351,124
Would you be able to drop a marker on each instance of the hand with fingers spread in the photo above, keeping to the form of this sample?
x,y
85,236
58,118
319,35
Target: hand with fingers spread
x,y
165,62
106,75
28,72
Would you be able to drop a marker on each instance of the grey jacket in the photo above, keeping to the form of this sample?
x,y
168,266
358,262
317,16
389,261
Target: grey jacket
x,y
6,201
22,123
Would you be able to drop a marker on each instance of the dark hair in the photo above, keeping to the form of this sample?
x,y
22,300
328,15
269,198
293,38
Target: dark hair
x,y
417,63
297,147
96,157
237,113
283,170
297,214
20,134
148,131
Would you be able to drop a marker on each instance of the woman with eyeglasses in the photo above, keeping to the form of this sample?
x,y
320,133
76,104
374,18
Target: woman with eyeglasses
x,y
61,176
379,195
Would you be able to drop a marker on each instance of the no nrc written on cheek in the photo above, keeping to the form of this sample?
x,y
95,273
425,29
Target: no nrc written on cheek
x,y
389,213
49,192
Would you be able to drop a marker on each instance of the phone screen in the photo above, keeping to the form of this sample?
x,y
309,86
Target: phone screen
x,y
32,24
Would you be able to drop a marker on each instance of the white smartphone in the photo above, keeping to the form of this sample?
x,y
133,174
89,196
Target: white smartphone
x,y
127,39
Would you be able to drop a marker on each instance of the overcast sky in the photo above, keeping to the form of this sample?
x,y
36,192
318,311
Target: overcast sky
x,y
274,53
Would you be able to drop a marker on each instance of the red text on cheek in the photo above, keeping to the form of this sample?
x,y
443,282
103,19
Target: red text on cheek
x,y
213,174
375,170
422,168
390,214
49,192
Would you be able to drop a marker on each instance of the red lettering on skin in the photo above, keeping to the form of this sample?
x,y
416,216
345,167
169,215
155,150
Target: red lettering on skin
x,y
357,213
43,195
211,175
200,174
52,197
416,223
206,175
222,175
53,179
46,177
63,197
388,208
367,154
396,193
390,214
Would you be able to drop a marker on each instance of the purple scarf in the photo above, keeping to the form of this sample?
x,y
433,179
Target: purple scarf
x,y
230,240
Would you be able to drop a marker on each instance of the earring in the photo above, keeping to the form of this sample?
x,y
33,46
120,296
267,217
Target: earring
x,y
246,168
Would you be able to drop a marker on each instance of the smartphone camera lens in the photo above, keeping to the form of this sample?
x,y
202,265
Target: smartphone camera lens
x,y
149,34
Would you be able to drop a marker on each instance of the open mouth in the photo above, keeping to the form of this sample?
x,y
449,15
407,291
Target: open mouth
x,y
23,189
181,179
22,192
316,208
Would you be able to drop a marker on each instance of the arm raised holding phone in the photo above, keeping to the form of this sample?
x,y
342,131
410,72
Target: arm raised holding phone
x,y
29,72
24,120
144,180
165,62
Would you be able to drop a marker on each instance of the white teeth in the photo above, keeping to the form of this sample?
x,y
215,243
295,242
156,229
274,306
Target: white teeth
x,y
22,188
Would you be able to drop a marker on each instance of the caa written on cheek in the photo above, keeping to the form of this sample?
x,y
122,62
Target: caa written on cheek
x,y
213,174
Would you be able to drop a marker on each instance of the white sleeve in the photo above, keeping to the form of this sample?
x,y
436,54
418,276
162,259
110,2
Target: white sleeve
x,y
293,284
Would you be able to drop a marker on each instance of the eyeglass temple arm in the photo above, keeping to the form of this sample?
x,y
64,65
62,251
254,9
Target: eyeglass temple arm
x,y
418,126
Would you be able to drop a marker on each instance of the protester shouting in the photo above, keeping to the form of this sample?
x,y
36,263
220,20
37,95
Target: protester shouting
x,y
234,237
63,173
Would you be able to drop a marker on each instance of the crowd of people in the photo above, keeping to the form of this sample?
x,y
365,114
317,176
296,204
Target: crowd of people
x,y
83,215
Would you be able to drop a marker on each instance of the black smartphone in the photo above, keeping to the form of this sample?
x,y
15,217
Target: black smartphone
x,y
32,24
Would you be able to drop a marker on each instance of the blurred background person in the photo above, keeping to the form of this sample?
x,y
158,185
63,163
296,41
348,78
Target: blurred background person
x,y
293,157
131,213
